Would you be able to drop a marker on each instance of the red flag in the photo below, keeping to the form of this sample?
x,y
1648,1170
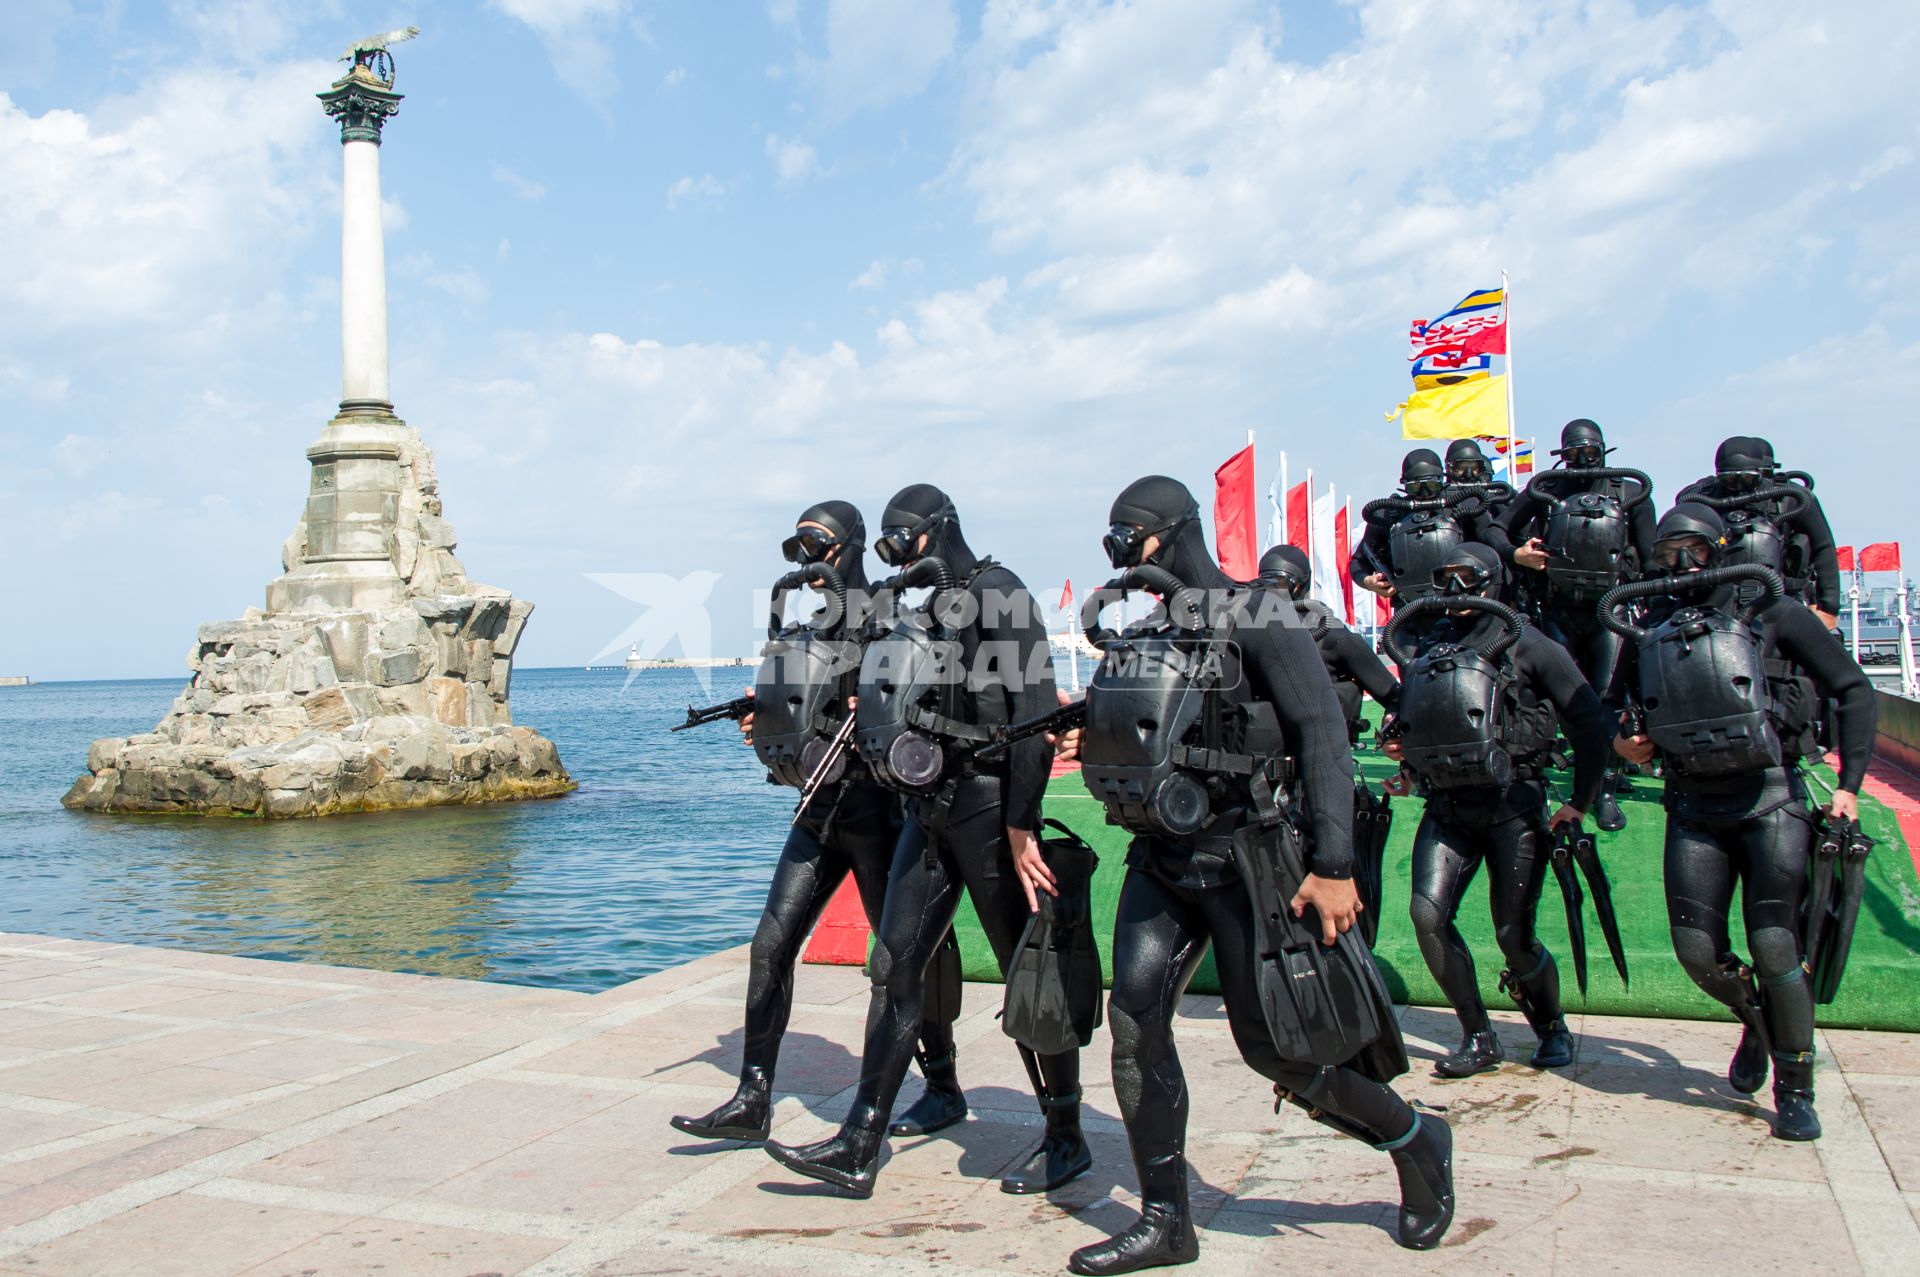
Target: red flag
x,y
1235,528
1066,595
1883,556
1341,553
1845,555
1299,517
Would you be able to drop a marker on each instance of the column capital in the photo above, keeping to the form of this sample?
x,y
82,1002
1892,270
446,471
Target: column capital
x,y
361,101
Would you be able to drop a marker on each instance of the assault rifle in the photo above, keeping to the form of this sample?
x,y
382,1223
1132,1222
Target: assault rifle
x,y
825,773
734,710
1064,719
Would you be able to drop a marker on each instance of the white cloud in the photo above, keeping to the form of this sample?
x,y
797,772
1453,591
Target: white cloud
x,y
242,29
705,189
138,211
578,36
523,188
1158,155
674,78
34,383
875,276
793,159
878,52
75,455
393,214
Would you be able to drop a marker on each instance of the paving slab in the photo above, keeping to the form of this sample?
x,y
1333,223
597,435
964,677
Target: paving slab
x,y
163,1112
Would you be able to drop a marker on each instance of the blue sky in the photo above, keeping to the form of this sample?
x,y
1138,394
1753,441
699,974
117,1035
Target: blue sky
x,y
664,274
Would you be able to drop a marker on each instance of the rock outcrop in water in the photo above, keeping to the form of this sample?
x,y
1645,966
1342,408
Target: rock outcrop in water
x,y
355,690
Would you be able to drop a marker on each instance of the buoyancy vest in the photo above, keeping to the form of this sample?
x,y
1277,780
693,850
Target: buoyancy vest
x,y
1420,535
1760,531
1465,719
1589,535
918,721
1173,733
1716,703
807,671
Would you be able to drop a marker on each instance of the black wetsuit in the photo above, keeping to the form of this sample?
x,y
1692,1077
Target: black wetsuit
x,y
1507,828
1756,829
1357,672
969,845
1475,515
1179,896
1571,622
849,828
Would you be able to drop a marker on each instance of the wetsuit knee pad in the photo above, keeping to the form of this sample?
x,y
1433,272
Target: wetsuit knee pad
x,y
1429,916
881,965
1776,950
1698,952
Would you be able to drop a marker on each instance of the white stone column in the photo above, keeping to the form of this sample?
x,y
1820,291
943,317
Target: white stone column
x,y
343,554
363,279
362,102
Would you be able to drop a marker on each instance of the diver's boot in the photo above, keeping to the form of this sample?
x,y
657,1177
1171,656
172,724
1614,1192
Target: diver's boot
x,y
1063,1155
747,1116
1748,1070
1556,1046
1537,994
1478,1053
1424,1159
849,1160
1607,814
940,1105
1793,1115
1162,1236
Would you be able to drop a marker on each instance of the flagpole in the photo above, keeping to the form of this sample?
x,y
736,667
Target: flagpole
x,y
1506,306
1853,594
1073,644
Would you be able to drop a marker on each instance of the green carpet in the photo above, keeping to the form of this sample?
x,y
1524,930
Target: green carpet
x,y
1881,991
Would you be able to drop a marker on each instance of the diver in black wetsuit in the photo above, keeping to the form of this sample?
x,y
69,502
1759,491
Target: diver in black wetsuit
x,y
1355,668
1610,518
1471,815
1183,893
971,828
1408,534
1744,819
849,827
1803,552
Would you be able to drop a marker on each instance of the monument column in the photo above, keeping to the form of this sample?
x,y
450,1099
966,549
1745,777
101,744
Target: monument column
x,y
344,559
362,104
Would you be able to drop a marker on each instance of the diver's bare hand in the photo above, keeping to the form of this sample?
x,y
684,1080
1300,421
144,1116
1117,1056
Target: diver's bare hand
x,y
1030,867
1334,899
1066,744
746,723
1532,555
1845,805
1635,749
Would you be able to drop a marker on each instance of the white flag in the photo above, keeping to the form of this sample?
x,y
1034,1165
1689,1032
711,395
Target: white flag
x,y
1276,496
1326,572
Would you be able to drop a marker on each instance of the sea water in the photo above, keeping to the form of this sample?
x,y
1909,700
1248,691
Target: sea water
x,y
662,855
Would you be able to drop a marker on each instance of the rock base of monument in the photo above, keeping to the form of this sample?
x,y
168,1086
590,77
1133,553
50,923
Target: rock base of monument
x,y
347,711
377,678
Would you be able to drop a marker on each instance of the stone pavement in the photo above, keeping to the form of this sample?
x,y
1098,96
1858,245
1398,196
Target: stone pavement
x,y
168,1112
